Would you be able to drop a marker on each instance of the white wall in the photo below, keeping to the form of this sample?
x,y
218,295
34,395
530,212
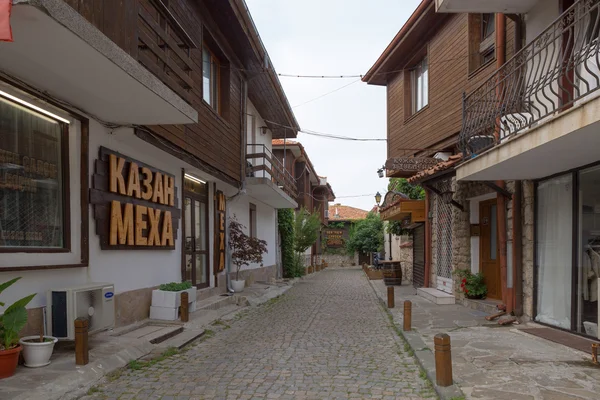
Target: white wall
x,y
127,269
540,17
254,122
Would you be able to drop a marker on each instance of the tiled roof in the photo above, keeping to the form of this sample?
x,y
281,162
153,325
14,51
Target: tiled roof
x,y
442,166
338,212
279,142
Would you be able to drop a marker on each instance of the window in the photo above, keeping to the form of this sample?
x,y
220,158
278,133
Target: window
x,y
33,178
482,40
419,86
210,78
252,223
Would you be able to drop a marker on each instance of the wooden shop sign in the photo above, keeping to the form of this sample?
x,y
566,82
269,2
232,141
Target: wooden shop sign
x,y
134,204
334,238
410,164
220,242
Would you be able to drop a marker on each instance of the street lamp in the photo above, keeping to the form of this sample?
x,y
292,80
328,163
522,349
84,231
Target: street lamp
x,y
380,172
378,198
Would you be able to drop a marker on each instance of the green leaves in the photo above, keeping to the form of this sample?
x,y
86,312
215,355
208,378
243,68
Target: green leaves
x,y
366,235
306,230
285,221
13,319
175,286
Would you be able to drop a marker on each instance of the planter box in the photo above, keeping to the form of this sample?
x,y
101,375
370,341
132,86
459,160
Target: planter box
x,y
165,305
374,275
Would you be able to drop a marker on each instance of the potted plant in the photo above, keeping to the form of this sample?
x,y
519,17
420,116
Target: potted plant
x,y
244,250
166,300
37,350
472,285
11,322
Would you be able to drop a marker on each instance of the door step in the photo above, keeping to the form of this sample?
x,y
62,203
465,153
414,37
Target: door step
x,y
154,333
436,296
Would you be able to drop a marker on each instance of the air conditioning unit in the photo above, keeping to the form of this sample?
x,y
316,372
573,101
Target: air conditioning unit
x,y
93,301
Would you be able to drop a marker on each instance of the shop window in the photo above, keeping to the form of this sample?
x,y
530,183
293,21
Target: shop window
x,y
252,223
482,40
34,200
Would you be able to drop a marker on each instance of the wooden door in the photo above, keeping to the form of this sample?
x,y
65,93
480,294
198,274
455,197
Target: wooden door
x,y
195,224
489,263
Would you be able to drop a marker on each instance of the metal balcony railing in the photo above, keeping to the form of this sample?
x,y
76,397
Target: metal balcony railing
x,y
261,163
557,70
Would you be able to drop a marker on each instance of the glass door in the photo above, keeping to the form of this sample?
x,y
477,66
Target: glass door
x,y
196,269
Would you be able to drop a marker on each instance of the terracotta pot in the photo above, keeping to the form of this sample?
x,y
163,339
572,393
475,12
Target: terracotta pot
x,y
8,361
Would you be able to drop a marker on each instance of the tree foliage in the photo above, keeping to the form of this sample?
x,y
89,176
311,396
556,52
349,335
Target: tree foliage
x,y
366,236
414,192
244,249
306,230
285,219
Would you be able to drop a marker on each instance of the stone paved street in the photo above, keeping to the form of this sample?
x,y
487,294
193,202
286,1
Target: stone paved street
x,y
326,338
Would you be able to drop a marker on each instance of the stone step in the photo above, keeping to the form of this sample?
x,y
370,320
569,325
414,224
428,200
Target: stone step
x,y
436,296
488,305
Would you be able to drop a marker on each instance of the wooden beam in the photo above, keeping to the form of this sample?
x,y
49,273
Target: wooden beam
x,y
498,189
437,192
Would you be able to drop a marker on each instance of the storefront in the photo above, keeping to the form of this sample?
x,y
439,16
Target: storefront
x,y
568,250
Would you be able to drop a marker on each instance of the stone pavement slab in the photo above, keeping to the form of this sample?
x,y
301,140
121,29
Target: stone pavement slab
x,y
495,362
326,338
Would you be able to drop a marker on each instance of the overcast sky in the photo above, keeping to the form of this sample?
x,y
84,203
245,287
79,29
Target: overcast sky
x,y
335,37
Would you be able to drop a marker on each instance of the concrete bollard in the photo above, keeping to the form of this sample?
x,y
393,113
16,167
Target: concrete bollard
x,y
81,342
407,316
390,297
443,359
185,307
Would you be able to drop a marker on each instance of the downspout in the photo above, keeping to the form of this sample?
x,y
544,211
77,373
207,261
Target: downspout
x,y
517,216
427,238
501,200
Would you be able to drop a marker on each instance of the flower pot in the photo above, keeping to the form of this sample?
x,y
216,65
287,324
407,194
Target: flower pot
x,y
238,286
37,354
8,361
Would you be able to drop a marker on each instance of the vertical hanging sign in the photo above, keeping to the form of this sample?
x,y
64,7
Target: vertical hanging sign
x,y
220,243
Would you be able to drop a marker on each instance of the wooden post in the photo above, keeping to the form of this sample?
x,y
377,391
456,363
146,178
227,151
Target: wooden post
x,y
595,353
407,315
81,341
185,307
390,294
443,360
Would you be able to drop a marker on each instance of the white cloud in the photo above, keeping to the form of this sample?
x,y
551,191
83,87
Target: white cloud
x,y
329,37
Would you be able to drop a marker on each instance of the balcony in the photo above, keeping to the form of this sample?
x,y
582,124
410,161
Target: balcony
x,y
124,65
488,6
538,114
267,180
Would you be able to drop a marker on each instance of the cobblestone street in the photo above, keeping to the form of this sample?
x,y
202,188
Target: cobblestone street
x,y
326,338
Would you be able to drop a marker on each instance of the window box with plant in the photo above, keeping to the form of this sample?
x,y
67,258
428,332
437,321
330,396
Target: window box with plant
x,y
472,285
166,300
12,320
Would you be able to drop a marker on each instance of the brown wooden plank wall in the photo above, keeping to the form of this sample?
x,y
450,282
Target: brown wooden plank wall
x,y
216,138
448,78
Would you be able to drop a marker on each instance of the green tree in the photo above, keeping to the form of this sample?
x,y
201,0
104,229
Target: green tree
x,y
366,235
414,192
285,219
306,230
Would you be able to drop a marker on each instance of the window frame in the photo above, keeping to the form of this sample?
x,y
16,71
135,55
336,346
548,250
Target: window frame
x,y
415,91
199,198
252,221
66,192
214,80
481,47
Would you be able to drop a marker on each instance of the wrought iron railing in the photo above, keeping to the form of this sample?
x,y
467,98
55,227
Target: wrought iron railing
x,y
557,70
261,163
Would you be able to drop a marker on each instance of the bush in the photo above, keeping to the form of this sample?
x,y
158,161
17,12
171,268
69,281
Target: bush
x,y
285,220
175,286
472,284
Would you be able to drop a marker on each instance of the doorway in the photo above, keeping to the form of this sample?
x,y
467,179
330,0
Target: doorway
x,y
195,252
489,264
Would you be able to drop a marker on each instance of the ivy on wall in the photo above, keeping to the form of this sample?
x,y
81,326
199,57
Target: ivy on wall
x,y
285,219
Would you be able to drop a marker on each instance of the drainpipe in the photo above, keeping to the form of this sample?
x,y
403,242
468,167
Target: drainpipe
x,y
501,207
427,238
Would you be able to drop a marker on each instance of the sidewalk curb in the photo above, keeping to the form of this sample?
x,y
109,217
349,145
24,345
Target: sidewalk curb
x,y
423,354
75,384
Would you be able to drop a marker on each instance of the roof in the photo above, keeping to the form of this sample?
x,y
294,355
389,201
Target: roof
x,y
280,142
404,43
338,212
442,166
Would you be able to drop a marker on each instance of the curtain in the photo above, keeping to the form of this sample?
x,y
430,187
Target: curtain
x,y
554,251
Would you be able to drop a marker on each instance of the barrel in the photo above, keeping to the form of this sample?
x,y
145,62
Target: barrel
x,y
392,273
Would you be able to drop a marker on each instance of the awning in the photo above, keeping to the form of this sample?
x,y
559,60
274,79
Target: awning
x,y
404,209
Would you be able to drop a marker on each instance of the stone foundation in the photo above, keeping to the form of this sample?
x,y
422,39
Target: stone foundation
x,y
263,274
340,260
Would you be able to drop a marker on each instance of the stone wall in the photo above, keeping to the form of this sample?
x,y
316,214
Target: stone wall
x,y
528,248
340,260
406,258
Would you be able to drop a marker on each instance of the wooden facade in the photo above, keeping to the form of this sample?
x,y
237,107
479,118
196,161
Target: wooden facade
x,y
167,38
447,47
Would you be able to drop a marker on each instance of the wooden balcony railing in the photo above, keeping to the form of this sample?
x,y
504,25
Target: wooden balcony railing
x,y
557,70
261,163
164,47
